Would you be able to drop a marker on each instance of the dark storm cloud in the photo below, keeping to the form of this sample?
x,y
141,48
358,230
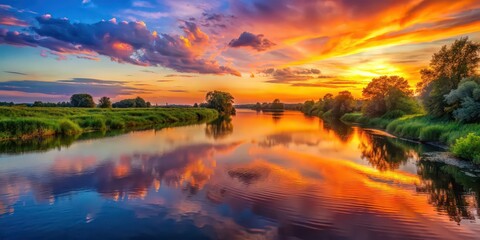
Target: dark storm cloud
x,y
257,42
125,42
95,87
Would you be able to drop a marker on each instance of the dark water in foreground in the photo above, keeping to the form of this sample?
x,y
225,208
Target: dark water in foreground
x,y
260,176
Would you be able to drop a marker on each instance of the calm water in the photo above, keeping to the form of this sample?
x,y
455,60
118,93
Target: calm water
x,y
259,176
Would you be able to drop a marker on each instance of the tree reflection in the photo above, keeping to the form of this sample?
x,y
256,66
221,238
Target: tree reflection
x,y
450,189
343,131
277,116
384,153
43,144
219,128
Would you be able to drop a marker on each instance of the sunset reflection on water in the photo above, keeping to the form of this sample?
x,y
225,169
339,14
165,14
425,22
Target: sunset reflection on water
x,y
255,176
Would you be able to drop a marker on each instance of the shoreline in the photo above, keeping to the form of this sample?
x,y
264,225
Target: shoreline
x,y
25,123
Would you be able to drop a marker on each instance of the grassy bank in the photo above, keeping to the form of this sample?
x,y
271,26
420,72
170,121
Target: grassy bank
x,y
24,122
461,138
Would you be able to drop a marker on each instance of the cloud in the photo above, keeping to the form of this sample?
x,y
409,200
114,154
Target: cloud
x,y
123,42
12,21
257,42
17,73
305,77
179,75
333,83
178,91
95,87
318,30
142,4
289,75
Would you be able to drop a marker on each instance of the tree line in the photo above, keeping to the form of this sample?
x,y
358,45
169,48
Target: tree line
x,y
449,89
84,100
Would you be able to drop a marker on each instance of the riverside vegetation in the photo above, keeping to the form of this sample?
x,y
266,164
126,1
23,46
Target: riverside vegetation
x,y
446,109
80,115
28,122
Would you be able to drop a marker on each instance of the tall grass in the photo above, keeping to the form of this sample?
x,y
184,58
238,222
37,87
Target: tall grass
x,y
24,122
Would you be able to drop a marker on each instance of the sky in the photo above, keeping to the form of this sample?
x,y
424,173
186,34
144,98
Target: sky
x,y
175,51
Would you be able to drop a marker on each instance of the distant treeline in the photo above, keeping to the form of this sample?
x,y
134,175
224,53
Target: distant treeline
x,y
86,101
274,106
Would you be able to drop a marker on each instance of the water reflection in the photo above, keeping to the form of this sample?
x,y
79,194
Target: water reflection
x,y
293,178
450,189
219,128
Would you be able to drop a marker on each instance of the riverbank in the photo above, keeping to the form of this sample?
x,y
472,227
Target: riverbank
x,y
27,122
456,136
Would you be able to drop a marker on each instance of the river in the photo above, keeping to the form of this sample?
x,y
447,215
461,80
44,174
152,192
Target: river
x,y
258,176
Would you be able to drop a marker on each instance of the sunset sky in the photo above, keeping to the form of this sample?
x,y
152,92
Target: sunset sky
x,y
175,51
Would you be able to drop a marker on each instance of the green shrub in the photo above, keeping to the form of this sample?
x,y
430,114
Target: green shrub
x,y
67,127
468,147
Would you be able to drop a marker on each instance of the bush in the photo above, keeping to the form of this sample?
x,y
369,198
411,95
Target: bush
x,y
468,147
67,127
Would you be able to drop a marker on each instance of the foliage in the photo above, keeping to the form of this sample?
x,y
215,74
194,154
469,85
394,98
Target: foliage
x,y
82,100
221,101
137,102
468,147
307,106
104,102
25,122
277,105
394,114
343,103
49,104
447,68
352,117
465,100
388,93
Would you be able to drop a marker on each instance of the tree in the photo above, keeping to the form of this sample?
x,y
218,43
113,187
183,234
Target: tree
x,y
307,106
465,100
258,106
82,100
277,105
140,102
221,101
327,102
195,105
343,103
447,68
104,102
137,102
383,89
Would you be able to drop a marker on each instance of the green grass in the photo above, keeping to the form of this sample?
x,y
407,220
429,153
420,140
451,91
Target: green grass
x,y
25,122
424,128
